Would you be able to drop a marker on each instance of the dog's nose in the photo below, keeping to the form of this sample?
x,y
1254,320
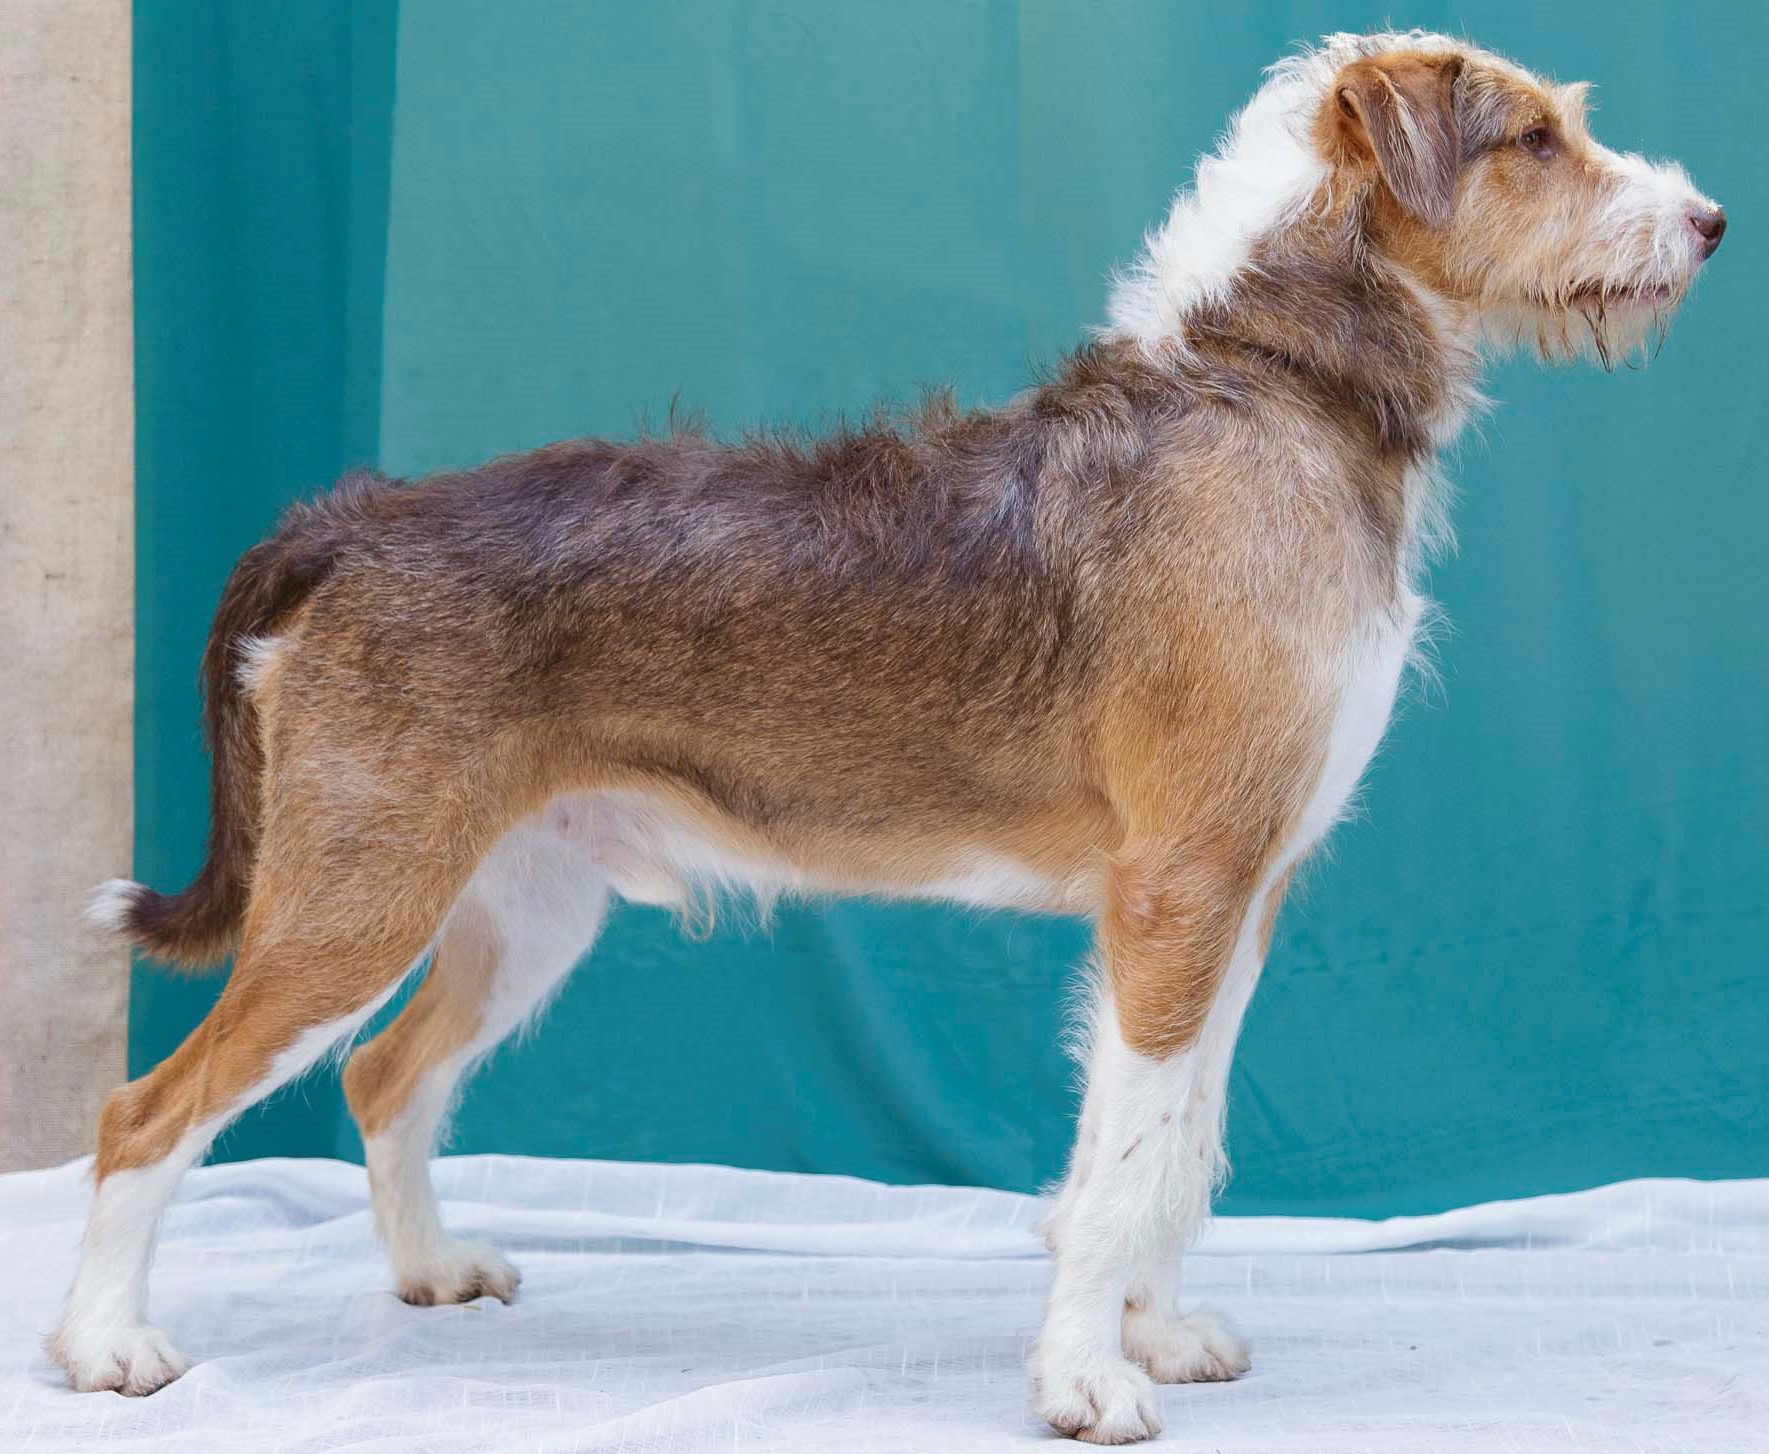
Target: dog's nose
x,y
1710,226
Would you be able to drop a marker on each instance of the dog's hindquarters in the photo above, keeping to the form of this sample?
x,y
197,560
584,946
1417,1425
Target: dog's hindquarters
x,y
198,927
279,1014
397,838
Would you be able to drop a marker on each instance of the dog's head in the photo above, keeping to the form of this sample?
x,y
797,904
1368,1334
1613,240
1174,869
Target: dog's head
x,y
1484,183
1475,180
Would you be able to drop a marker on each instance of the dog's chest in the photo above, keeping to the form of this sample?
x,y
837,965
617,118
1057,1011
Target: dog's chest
x,y
1370,672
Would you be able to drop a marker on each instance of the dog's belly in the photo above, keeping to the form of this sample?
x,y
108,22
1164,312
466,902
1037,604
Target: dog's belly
x,y
986,880
651,851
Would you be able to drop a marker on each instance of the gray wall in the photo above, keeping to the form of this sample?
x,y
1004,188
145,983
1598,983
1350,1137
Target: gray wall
x,y
67,617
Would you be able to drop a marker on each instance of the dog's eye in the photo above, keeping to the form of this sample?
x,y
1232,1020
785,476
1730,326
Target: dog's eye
x,y
1538,141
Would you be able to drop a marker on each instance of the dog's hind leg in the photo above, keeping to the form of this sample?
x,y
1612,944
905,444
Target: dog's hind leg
x,y
309,973
529,914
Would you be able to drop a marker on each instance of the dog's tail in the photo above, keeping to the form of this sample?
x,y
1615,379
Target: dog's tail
x,y
199,927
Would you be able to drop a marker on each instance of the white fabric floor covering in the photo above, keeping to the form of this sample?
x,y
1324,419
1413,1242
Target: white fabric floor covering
x,y
688,1308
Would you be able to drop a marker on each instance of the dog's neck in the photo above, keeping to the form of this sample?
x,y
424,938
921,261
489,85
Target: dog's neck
x,y
1317,300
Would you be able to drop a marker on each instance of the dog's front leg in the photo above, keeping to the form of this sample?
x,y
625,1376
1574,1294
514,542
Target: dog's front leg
x,y
1180,949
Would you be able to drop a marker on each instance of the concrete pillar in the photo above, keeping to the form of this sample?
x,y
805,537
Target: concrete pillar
x,y
67,614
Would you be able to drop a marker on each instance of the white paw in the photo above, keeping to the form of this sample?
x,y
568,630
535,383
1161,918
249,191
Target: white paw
x,y
133,1360
1198,1348
457,1273
1103,1400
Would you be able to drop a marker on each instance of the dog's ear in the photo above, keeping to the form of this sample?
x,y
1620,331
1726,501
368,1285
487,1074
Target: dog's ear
x,y
1401,110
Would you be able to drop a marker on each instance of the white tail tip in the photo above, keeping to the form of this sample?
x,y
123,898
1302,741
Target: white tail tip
x,y
111,904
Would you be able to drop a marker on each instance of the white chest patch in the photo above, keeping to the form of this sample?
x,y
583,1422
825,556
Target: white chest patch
x,y
1372,672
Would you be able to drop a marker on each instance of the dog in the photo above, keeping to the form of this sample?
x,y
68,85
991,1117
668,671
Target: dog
x,y
1121,648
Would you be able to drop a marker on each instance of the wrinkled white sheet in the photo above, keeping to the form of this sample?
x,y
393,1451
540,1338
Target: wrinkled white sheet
x,y
688,1308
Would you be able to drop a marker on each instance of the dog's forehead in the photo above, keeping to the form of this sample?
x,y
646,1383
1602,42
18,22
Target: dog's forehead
x,y
1345,48
1496,88
1494,101
1509,88
1498,73
1494,85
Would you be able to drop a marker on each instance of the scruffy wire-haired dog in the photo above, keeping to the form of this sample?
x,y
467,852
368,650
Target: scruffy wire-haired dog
x,y
1122,648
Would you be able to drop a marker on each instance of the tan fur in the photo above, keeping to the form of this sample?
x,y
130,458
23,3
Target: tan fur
x,y
1127,784
442,1018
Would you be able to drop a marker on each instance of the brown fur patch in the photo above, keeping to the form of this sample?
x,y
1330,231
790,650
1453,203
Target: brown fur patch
x,y
440,1020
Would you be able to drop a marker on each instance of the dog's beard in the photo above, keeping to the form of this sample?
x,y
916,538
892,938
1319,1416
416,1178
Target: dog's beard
x,y
1607,323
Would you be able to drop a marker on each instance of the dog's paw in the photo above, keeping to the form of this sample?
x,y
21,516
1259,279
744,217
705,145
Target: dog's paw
x,y
133,1360
1198,1348
458,1273
1101,1400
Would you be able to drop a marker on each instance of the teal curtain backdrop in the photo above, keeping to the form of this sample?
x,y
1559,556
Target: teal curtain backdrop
x,y
419,236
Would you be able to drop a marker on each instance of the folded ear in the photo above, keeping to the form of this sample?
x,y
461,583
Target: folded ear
x,y
1402,111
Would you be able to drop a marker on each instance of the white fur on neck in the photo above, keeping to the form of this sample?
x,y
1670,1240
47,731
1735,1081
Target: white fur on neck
x,y
1262,176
